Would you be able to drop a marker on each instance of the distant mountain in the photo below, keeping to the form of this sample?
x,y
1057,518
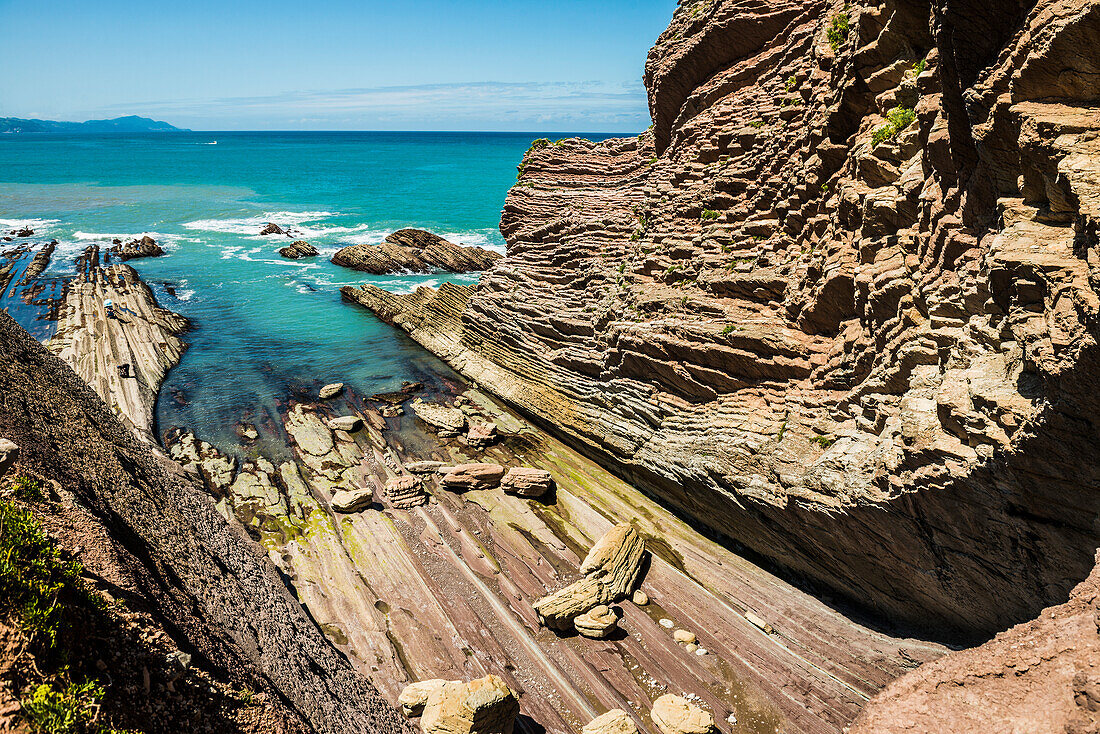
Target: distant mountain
x,y
130,124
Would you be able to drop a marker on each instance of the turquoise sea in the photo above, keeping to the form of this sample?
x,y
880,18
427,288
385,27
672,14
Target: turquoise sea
x,y
266,328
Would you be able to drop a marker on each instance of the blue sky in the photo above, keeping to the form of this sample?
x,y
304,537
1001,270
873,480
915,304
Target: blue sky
x,y
571,65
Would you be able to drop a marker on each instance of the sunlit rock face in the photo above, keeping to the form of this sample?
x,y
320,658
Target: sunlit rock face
x,y
838,305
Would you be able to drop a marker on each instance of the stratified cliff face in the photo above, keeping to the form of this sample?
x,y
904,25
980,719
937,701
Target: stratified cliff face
x,y
838,305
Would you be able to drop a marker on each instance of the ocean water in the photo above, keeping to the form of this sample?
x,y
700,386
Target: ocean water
x,y
266,328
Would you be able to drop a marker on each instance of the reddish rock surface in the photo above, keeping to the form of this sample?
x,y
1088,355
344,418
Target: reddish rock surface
x,y
1040,676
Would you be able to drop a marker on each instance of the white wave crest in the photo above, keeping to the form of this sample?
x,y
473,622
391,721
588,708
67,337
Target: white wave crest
x,y
40,226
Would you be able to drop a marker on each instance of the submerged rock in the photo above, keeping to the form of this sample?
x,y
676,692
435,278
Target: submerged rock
x,y
447,421
527,482
297,249
352,500
676,715
482,706
615,721
472,476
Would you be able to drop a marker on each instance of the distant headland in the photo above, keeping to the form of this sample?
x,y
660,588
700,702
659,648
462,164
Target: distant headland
x,y
128,124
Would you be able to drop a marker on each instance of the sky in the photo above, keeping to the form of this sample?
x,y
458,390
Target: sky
x,y
570,65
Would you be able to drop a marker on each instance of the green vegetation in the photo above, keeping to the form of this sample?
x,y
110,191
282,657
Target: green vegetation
x,y
897,120
709,214
838,29
782,432
27,489
792,83
823,441
70,710
730,328
756,124
919,67
538,144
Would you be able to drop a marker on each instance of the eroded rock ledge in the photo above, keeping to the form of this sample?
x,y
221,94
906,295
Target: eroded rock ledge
x,y
839,305
415,251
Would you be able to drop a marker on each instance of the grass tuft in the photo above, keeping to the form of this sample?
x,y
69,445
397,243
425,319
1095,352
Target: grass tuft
x,y
897,120
838,29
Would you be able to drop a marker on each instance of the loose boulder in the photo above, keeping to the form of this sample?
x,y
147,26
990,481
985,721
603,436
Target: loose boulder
x,y
405,492
527,482
352,500
676,715
9,454
145,247
615,721
597,623
297,249
271,228
415,696
424,467
481,435
482,706
331,390
346,423
472,476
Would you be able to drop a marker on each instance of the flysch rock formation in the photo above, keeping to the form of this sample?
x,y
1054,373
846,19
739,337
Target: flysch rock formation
x,y
838,305
415,251
446,588
161,547
133,333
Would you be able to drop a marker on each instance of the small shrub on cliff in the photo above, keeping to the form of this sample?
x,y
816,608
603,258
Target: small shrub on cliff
x,y
838,29
757,124
897,120
709,214
70,709
792,82
27,489
539,144
823,441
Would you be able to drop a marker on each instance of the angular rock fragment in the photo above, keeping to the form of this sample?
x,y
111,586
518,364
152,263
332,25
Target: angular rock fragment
x,y
331,390
415,696
346,423
271,228
472,476
615,721
424,467
297,249
481,434
616,559
676,715
482,706
597,623
352,500
558,610
405,492
527,482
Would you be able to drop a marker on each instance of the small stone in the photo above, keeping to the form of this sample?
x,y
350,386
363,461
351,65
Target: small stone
x,y
683,636
615,721
597,622
9,454
702,651
352,500
415,696
676,715
481,434
667,623
472,476
691,647
640,598
331,391
527,482
346,423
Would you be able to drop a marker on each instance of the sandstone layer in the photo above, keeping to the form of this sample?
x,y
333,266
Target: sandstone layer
x,y
838,305
415,251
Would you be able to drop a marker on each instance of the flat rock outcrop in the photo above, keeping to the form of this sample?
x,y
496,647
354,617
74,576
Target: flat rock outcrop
x,y
839,304
415,251
472,476
298,249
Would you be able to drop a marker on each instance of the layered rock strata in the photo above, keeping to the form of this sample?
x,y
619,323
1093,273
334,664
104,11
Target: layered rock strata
x,y
123,351
838,305
415,251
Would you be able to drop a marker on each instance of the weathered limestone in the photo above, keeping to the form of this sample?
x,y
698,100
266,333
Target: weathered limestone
x,y
406,492
415,696
472,476
135,334
331,390
447,421
527,482
676,715
417,251
346,423
597,623
352,500
615,721
610,570
482,706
